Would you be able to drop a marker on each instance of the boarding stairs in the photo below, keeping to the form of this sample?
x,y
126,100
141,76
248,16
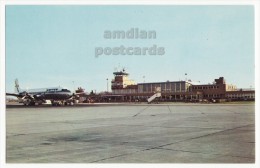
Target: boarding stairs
x,y
157,94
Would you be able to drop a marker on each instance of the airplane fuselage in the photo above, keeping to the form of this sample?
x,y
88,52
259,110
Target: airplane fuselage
x,y
50,93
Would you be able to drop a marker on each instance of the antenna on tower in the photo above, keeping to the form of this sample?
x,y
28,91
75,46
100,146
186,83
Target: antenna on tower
x,y
123,69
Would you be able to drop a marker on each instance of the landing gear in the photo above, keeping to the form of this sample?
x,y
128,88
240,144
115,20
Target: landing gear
x,y
29,103
56,103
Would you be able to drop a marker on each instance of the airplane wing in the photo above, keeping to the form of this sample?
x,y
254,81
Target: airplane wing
x,y
27,99
13,94
23,96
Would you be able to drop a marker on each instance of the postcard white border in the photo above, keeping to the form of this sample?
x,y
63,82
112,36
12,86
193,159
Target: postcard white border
x,y
3,4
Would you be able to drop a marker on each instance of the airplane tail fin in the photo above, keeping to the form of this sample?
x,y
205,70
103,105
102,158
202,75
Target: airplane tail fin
x,y
17,88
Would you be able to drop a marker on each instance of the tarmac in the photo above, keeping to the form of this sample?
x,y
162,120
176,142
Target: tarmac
x,y
164,133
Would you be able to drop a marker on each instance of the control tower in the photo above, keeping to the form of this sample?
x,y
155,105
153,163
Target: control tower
x,y
121,80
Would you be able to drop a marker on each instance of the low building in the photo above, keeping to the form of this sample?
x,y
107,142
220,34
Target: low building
x,y
240,94
127,90
217,90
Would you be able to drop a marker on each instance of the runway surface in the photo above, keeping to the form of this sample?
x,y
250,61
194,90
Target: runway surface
x,y
131,134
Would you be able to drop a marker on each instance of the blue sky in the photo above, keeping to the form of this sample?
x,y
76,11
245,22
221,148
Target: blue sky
x,y
55,45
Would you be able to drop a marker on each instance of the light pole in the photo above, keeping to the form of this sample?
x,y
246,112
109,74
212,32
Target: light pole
x,y
107,84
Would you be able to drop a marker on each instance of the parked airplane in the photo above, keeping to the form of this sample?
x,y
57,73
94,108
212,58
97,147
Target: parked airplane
x,y
57,95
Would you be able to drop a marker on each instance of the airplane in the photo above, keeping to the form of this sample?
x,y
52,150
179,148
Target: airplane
x,y
57,95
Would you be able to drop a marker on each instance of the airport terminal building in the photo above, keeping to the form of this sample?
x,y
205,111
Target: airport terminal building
x,y
124,89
